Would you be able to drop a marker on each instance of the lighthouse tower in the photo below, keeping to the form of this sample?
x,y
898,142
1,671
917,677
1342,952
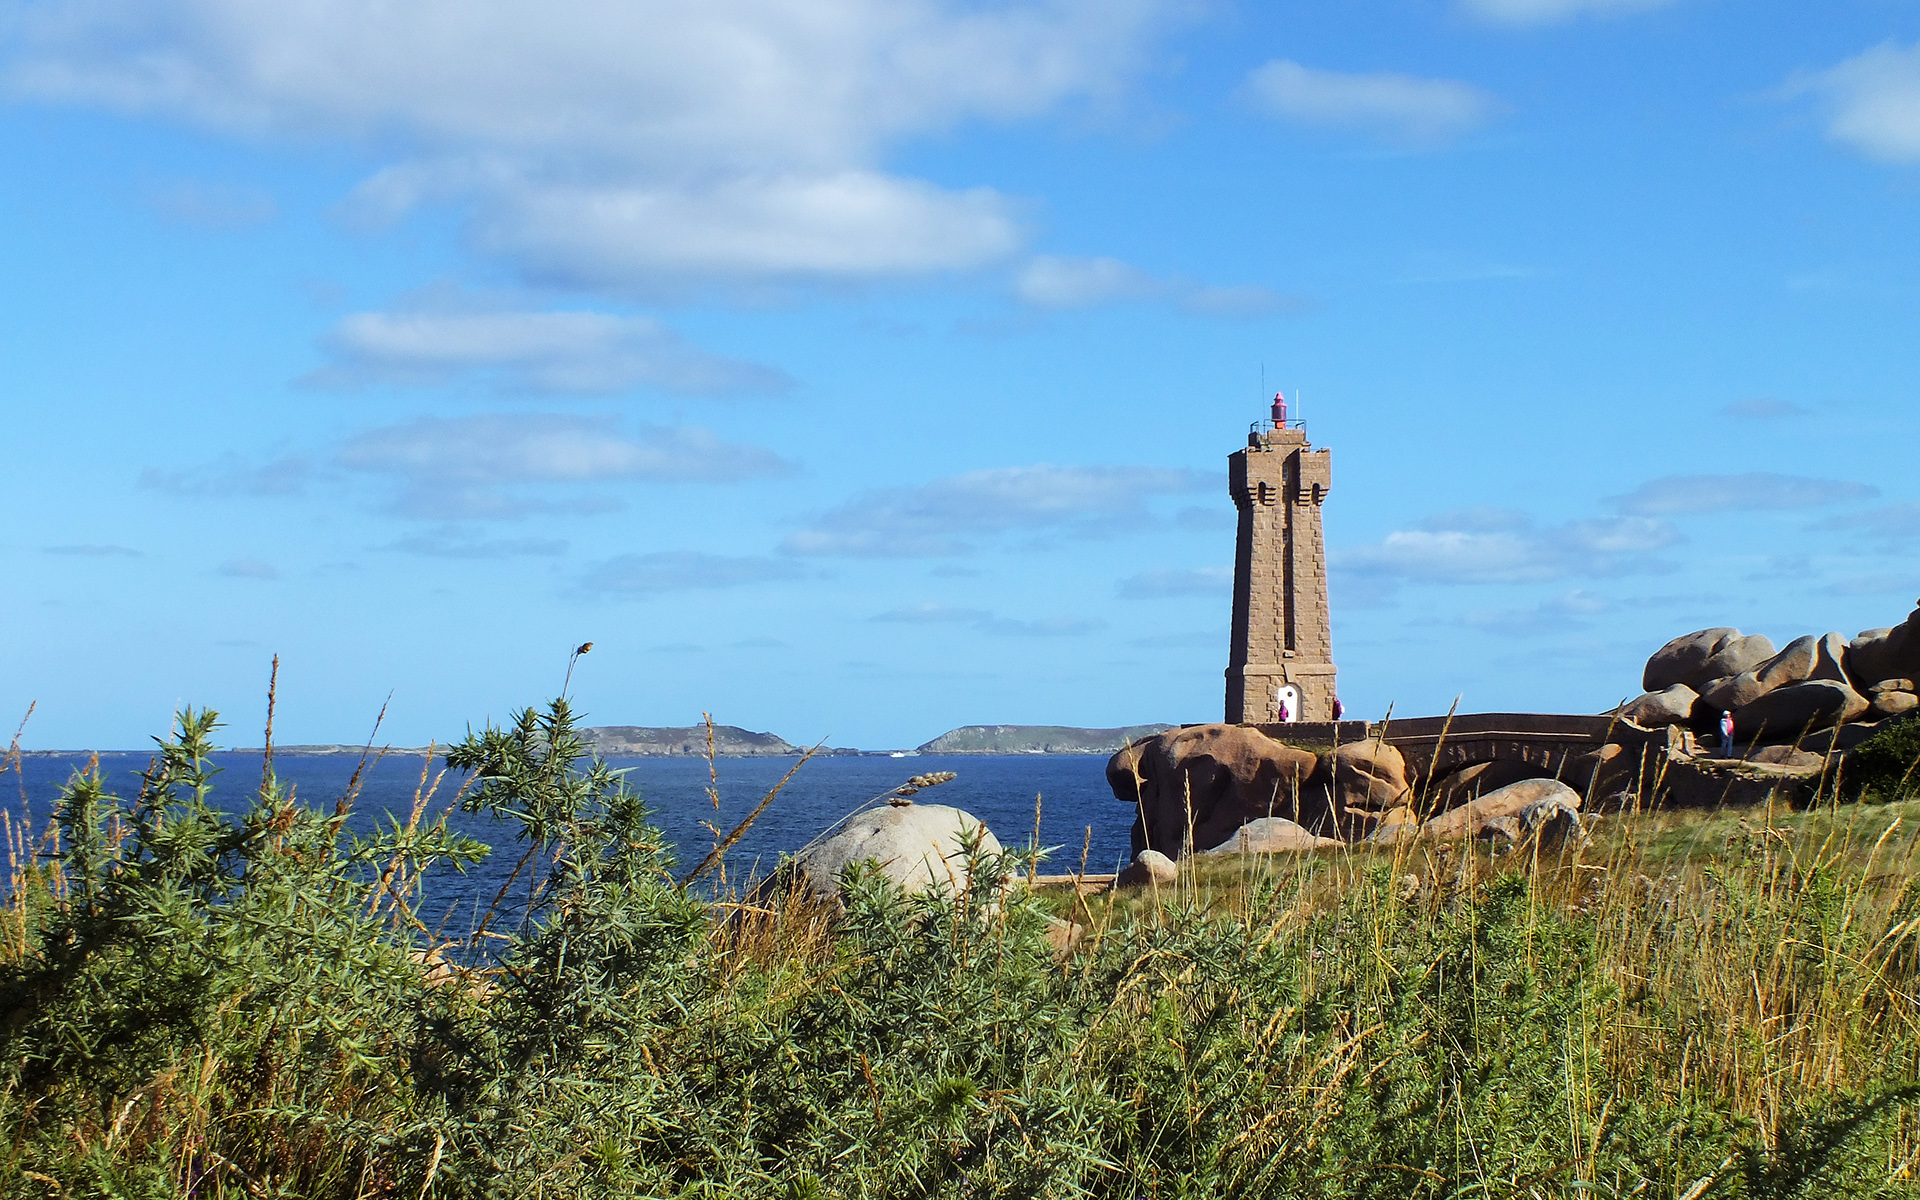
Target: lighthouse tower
x,y
1280,666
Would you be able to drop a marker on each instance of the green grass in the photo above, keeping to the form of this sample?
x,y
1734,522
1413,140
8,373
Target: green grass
x,y
1695,1005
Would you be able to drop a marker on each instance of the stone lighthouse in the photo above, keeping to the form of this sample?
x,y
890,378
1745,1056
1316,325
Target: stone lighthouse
x,y
1280,666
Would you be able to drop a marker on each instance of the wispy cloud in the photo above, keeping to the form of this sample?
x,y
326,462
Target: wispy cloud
x,y
246,567
456,543
481,466
932,614
1763,409
1399,109
1871,101
219,207
947,516
1892,522
1548,12
586,353
1166,581
986,622
93,550
232,475
1501,546
1675,495
682,570
1889,583
1055,281
1557,614
1216,639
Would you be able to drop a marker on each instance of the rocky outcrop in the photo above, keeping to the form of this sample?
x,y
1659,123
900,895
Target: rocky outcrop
x,y
1891,698
1684,658
916,846
1194,787
1671,706
1788,712
1878,654
1813,683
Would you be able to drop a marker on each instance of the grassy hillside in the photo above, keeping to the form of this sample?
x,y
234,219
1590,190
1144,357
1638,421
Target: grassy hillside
x,y
196,1005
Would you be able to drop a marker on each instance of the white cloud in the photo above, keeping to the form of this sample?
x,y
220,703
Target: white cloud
x,y
613,142
682,570
481,466
1164,581
1673,495
940,517
1051,281
1057,281
550,352
1872,101
851,223
1400,109
1546,12
1492,546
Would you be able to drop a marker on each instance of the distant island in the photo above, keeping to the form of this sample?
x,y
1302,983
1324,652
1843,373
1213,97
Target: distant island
x,y
1036,739
690,741
731,741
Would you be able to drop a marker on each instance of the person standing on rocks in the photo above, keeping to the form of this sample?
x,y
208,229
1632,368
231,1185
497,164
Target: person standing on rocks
x,y
1726,734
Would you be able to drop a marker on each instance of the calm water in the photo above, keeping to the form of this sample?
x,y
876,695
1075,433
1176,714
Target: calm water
x,y
999,790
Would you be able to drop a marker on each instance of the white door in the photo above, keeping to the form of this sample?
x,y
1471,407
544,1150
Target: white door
x,y
1287,698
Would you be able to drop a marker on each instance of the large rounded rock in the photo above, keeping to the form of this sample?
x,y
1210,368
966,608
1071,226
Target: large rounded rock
x,y
1728,695
1147,867
1536,802
1273,835
1368,777
1478,779
1674,706
917,846
1890,698
1194,787
1737,654
1683,659
1879,654
1805,658
1785,713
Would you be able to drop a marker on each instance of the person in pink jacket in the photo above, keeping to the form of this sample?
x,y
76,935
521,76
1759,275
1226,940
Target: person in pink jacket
x,y
1726,734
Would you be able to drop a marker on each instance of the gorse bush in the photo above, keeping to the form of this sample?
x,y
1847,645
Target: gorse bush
x,y
1887,765
212,1005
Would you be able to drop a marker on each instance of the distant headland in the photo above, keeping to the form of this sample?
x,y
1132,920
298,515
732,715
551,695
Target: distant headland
x,y
731,741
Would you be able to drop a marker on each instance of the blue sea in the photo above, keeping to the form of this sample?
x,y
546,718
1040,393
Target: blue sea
x,y
999,790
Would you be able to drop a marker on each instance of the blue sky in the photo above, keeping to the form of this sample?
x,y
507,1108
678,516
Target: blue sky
x,y
862,368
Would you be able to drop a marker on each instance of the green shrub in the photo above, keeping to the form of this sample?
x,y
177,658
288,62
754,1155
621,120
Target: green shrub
x,y
222,1006
1887,765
